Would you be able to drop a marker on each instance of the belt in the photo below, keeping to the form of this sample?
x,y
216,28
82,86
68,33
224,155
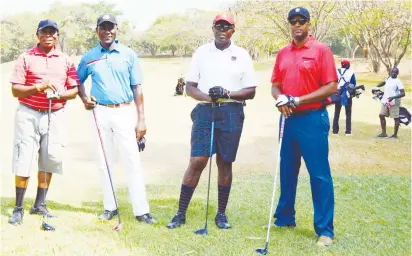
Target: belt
x,y
118,105
304,112
40,109
220,104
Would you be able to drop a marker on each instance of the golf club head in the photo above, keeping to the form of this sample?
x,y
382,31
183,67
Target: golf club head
x,y
202,231
118,227
47,227
262,251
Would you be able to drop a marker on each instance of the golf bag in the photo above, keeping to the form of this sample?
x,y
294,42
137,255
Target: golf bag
x,y
404,116
377,94
180,87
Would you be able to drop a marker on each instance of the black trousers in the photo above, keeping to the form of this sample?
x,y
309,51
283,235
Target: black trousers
x,y
348,112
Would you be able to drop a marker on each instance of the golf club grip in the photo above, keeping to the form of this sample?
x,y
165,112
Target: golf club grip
x,y
107,164
282,128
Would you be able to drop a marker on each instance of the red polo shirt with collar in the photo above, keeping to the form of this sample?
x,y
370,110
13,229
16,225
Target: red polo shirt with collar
x,y
34,67
303,70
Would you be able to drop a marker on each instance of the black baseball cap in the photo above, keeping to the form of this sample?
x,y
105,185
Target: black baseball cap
x,y
106,17
299,11
47,23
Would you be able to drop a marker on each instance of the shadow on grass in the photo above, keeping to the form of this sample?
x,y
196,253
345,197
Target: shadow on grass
x,y
8,203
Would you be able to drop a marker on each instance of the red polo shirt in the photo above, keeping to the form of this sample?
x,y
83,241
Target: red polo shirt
x,y
34,67
303,70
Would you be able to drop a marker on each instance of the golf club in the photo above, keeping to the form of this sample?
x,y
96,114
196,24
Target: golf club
x,y
44,225
118,227
264,251
203,231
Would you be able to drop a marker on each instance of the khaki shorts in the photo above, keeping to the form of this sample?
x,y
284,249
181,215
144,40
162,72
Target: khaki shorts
x,y
393,112
30,150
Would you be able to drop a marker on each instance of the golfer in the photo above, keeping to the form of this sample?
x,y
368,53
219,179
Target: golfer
x,y
36,71
116,94
220,72
304,75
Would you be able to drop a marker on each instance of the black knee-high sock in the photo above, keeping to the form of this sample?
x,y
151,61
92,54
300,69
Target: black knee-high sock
x,y
20,196
186,193
40,197
223,197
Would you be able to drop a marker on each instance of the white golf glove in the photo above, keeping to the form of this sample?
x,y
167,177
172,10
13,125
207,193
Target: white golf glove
x,y
287,100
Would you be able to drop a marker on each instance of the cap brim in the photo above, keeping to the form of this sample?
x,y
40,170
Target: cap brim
x,y
296,14
47,27
98,24
231,23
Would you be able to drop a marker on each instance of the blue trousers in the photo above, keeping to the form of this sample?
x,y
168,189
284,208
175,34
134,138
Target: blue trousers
x,y
306,136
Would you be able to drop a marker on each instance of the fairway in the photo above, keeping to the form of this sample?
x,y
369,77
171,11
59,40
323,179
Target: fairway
x,y
371,179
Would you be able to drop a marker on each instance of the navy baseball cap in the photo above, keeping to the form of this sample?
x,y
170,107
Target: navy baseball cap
x,y
106,17
47,23
299,11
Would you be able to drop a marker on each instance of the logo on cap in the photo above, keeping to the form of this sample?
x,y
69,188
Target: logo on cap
x,y
106,17
297,9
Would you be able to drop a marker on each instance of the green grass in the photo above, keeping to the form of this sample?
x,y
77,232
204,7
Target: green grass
x,y
372,212
372,217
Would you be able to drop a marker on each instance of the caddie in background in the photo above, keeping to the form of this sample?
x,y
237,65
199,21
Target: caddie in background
x,y
391,102
346,76
221,72
41,68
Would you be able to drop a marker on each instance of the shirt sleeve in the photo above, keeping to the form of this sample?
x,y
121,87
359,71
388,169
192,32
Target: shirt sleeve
x,y
276,75
400,85
249,78
193,74
328,67
82,71
71,73
19,73
135,71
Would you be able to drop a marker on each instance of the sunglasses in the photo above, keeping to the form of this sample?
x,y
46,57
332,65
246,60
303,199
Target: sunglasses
x,y
300,21
223,27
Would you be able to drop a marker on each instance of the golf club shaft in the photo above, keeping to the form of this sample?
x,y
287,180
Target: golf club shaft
x,y
282,127
210,168
212,132
47,149
107,165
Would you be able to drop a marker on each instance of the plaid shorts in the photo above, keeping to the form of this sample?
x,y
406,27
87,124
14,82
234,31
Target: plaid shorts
x,y
228,129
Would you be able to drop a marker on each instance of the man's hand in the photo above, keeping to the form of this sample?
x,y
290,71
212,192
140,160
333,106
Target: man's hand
x,y
46,86
390,99
140,130
286,104
218,92
287,100
89,102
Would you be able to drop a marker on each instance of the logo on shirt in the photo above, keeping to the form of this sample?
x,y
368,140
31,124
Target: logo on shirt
x,y
233,58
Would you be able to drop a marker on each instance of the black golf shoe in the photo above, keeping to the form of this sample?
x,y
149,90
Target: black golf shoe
x,y
41,210
221,221
178,219
17,217
108,215
146,218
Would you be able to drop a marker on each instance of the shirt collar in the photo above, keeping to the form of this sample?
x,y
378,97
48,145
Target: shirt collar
x,y
307,44
53,51
116,48
214,49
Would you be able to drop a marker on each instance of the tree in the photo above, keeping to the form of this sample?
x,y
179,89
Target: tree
x,y
381,28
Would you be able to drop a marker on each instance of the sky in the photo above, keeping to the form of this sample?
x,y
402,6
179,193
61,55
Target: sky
x,y
141,13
